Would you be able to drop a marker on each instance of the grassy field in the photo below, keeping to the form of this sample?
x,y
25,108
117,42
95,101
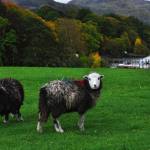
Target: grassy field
x,y
120,121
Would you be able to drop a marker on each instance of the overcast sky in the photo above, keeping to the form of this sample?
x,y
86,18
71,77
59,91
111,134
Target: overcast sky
x,y
66,1
63,1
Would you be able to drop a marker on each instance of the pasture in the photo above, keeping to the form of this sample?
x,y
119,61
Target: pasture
x,y
120,120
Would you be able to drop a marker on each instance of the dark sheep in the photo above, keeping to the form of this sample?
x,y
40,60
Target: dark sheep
x,y
11,98
62,96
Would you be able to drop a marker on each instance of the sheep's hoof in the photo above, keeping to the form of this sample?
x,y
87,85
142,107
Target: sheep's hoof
x,y
82,129
61,130
19,119
39,130
12,115
5,121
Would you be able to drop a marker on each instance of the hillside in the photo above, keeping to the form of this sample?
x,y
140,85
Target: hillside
x,y
32,3
47,36
63,9
39,3
136,8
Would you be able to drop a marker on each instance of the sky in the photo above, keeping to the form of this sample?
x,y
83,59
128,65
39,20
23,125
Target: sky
x,y
66,1
63,1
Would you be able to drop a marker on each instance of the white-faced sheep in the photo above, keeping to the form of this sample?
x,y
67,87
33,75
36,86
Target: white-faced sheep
x,y
61,96
11,98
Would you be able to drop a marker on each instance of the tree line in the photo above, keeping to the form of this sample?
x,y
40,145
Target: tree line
x,y
48,37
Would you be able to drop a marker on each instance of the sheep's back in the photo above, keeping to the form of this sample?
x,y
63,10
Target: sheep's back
x,y
63,91
13,90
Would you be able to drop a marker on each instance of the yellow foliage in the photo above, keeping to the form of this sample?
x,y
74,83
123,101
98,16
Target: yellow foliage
x,y
138,41
96,59
51,25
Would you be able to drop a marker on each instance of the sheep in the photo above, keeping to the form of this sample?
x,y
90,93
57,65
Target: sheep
x,y
63,96
11,98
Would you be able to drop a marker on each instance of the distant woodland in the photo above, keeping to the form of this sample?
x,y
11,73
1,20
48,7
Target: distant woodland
x,y
76,37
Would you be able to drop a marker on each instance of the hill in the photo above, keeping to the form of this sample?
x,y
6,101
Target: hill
x,y
63,9
47,36
35,4
136,8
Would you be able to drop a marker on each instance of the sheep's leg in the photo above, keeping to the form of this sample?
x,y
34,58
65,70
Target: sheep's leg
x,y
81,122
57,126
19,117
6,117
39,125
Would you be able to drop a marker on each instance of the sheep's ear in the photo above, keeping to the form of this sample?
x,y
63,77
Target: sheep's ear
x,y
85,77
102,76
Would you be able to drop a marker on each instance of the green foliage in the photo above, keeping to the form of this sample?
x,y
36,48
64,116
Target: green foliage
x,y
3,23
70,41
110,26
2,8
64,35
92,37
141,49
10,51
137,8
83,13
7,39
85,61
117,46
146,35
48,13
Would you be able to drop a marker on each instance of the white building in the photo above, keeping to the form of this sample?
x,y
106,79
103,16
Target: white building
x,y
131,62
145,62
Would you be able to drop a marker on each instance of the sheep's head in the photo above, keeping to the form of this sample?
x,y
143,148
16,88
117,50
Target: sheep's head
x,y
94,80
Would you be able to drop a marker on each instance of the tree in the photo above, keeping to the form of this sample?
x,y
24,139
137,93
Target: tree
x,y
138,41
95,59
4,23
115,47
146,36
71,41
47,13
2,8
92,37
140,47
10,50
83,13
110,26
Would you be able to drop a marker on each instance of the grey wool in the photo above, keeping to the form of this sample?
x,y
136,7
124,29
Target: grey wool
x,y
63,96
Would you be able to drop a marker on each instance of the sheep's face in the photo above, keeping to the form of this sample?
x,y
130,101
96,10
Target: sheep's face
x,y
94,80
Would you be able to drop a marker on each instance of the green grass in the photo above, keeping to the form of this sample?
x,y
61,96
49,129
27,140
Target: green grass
x,y
120,121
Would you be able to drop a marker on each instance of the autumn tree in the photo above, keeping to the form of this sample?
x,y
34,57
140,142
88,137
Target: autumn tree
x,y
95,59
71,42
140,47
